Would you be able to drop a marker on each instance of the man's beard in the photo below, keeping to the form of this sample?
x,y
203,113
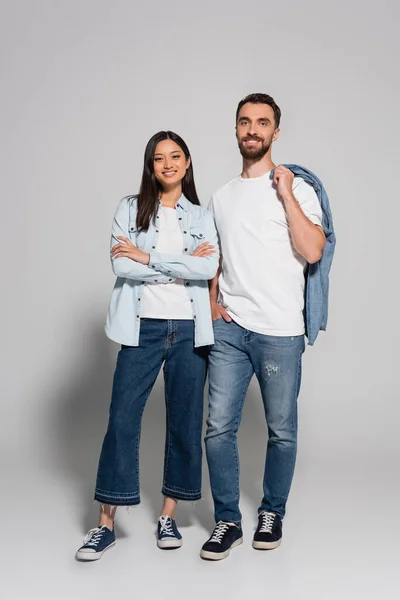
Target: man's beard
x,y
254,153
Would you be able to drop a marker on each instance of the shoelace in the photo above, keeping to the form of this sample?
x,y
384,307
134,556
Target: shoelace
x,y
267,522
166,525
219,531
93,537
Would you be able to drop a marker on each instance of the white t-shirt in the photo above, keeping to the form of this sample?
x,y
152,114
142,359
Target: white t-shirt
x,y
167,300
262,279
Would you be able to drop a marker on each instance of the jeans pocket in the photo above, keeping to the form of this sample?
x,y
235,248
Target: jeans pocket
x,y
217,320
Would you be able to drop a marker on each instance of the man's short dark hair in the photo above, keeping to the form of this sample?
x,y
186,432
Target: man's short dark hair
x,y
261,99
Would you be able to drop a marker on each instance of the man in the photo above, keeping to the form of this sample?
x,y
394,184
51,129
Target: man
x,y
270,229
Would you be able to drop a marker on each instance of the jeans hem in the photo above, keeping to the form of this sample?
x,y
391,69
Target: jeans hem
x,y
175,495
115,500
229,521
280,513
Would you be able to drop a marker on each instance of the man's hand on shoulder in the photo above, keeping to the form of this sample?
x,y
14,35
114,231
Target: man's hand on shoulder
x,y
283,179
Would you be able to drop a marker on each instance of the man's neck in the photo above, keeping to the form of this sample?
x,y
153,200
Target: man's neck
x,y
257,168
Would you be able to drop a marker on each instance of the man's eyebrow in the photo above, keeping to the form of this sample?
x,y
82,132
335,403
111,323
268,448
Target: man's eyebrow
x,y
244,118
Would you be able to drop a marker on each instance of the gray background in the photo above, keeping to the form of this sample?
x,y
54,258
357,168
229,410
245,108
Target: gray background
x,y
84,86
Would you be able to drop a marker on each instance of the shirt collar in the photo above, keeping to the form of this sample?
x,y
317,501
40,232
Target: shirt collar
x,y
183,203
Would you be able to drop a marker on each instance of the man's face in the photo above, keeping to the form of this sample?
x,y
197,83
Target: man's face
x,y
255,130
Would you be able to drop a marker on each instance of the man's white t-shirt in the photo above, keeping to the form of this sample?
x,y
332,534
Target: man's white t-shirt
x,y
262,280
167,300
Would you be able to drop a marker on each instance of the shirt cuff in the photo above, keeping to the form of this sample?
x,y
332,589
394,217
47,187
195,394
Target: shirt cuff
x,y
155,260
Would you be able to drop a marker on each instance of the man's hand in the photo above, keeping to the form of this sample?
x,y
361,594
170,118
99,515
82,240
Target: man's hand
x,y
205,249
218,312
283,179
308,239
126,249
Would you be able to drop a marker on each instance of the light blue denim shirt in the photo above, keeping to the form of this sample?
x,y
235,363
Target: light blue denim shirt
x,y
317,274
197,226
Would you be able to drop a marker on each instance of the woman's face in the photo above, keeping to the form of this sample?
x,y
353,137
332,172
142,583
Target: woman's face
x,y
170,163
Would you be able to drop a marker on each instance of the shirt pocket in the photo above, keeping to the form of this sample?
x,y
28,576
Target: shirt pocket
x,y
132,229
138,238
197,235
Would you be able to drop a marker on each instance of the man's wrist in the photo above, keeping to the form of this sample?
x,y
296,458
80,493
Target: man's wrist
x,y
288,197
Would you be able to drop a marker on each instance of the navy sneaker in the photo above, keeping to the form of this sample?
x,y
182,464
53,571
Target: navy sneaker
x,y
168,536
268,534
224,537
96,542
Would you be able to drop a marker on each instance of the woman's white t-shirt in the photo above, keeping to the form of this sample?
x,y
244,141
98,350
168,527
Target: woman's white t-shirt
x,y
167,300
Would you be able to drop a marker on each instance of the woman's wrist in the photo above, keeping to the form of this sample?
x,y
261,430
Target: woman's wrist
x,y
143,257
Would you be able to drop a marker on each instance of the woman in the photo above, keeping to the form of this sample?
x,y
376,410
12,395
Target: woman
x,y
163,250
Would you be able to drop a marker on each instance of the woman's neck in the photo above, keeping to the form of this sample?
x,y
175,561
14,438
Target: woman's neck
x,y
169,198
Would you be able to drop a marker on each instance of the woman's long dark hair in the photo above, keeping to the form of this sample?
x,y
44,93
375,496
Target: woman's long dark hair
x,y
150,188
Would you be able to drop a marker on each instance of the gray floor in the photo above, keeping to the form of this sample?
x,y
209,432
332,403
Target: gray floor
x,y
340,535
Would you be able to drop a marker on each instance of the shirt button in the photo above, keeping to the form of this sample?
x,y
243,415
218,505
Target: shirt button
x,y
191,300
142,281
185,249
152,266
169,279
180,219
187,283
139,299
156,281
131,228
153,247
185,232
137,316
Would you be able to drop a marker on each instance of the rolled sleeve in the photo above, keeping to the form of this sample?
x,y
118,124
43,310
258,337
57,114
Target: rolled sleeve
x,y
308,201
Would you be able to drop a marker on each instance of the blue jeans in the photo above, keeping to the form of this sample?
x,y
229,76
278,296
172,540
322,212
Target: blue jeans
x,y
236,355
161,341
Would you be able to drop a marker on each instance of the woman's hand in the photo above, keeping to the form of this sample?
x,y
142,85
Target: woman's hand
x,y
205,249
128,250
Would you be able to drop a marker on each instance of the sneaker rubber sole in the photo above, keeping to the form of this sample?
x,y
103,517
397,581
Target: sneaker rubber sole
x,y
169,544
266,545
220,555
89,556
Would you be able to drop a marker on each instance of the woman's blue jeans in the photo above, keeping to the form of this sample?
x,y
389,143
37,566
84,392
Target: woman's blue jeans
x,y
161,341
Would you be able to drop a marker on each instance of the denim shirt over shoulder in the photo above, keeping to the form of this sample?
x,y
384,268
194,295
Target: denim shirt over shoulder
x,y
197,226
317,274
